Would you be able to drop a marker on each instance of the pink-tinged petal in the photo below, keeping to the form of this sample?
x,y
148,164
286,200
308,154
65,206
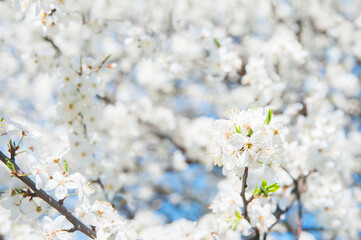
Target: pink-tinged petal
x,y
51,184
60,192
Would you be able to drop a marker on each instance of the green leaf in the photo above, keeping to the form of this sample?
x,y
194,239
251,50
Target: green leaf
x,y
269,117
10,165
238,215
273,188
256,190
264,191
264,183
238,129
234,225
216,42
272,185
250,132
66,166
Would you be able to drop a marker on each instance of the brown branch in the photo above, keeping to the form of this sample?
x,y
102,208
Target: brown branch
x,y
107,99
246,202
299,189
78,225
73,229
176,143
278,213
250,199
126,209
57,49
243,194
102,63
299,227
299,185
162,135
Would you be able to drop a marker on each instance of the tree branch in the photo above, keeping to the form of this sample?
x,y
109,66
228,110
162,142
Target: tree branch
x,y
243,194
246,202
57,49
78,225
299,185
176,143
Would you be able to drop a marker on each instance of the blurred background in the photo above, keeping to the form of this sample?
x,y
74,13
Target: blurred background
x,y
133,87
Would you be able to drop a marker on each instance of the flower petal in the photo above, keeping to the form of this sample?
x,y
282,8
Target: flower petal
x,y
71,184
59,222
51,184
60,192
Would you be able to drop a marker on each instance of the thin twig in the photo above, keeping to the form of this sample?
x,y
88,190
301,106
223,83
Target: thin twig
x,y
298,189
176,143
243,194
250,199
299,185
102,63
57,49
246,202
278,213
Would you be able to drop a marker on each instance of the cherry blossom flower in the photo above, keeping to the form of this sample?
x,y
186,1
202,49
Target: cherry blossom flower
x,y
245,140
61,183
55,229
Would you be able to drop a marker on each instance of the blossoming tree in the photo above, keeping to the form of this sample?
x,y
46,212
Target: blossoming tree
x,y
111,122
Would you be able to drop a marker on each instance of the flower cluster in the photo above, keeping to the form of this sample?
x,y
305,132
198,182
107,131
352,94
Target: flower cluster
x,y
51,175
247,138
